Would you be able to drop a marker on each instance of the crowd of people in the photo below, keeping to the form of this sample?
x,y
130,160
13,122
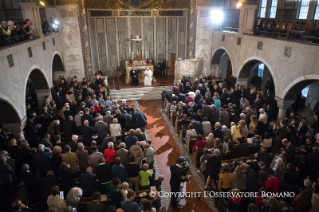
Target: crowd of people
x,y
232,123
94,140
13,32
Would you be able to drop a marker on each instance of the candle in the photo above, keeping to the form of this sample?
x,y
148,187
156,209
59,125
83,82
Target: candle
x,y
132,55
137,37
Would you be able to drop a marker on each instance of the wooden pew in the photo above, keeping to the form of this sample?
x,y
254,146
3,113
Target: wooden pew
x,y
177,123
173,118
197,154
190,142
182,133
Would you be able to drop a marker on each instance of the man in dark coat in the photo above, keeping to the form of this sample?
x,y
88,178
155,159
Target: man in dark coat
x,y
134,76
46,184
162,67
101,129
128,121
30,182
87,116
290,149
198,127
41,160
31,130
264,156
88,182
130,139
108,118
314,163
139,119
206,110
241,150
176,179
87,132
280,133
69,127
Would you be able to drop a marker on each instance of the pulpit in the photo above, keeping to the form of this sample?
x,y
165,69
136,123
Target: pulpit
x,y
140,66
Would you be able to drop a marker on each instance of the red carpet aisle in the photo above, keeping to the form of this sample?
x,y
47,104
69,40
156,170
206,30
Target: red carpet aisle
x,y
166,153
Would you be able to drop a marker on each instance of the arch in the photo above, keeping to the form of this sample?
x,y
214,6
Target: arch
x,y
57,62
250,63
8,114
292,90
217,56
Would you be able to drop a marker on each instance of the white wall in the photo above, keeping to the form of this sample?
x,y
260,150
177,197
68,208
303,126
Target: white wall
x,y
13,80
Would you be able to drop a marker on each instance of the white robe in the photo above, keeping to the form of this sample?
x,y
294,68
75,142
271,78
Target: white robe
x,y
148,77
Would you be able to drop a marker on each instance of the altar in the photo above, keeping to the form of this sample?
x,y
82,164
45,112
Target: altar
x,y
140,66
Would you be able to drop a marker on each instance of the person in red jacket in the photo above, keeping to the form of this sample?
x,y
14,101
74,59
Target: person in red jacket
x,y
109,154
200,143
271,183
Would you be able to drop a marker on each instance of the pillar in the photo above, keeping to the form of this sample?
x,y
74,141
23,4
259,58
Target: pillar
x,y
283,106
30,10
247,18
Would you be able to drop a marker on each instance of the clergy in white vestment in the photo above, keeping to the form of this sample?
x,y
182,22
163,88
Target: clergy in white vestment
x,y
148,77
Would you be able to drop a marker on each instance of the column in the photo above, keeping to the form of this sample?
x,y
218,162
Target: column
x,y
247,18
30,10
283,105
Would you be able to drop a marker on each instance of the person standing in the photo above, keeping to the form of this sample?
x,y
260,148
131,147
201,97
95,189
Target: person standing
x,y
134,77
162,67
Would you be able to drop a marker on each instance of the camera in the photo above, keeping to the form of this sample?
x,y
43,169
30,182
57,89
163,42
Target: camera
x,y
185,169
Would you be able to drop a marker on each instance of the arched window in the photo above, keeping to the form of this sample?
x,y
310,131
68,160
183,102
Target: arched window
x,y
263,5
273,8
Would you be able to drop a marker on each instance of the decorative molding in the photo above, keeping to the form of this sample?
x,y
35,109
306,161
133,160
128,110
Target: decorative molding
x,y
287,51
10,60
133,5
66,2
171,13
135,13
260,45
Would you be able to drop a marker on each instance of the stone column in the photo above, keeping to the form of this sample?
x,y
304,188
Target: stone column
x,y
283,105
247,18
192,21
30,10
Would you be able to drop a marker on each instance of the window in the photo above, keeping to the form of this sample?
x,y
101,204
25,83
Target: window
x,y
304,7
317,12
273,8
304,92
260,72
263,6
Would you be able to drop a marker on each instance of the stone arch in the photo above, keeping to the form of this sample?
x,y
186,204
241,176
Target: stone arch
x,y
221,55
248,66
57,67
9,116
41,83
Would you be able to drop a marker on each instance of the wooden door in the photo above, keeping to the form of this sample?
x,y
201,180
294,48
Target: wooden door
x,y
172,64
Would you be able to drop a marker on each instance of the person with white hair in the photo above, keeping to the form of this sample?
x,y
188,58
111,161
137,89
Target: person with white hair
x,y
41,160
124,106
148,76
280,169
108,118
73,197
262,121
226,132
54,128
213,165
109,154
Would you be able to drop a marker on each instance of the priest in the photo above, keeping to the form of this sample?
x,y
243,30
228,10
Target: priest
x,y
134,76
148,76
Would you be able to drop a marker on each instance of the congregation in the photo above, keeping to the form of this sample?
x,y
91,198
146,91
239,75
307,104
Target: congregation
x,y
234,138
79,154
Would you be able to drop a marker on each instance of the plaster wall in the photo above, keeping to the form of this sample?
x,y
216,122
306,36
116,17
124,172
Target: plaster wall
x,y
302,64
13,80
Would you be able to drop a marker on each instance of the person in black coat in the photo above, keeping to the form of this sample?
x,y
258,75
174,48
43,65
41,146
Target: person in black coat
x,y
46,185
314,163
139,119
264,156
134,77
104,176
241,150
88,182
302,164
290,149
162,67
87,117
213,166
66,175
16,154
176,179
31,130
197,125
87,132
263,168
30,182
41,160
69,127
128,121
292,176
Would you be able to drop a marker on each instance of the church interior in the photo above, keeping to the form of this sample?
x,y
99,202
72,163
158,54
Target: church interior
x,y
159,105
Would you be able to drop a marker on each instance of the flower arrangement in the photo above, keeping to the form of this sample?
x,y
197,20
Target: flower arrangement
x,y
130,62
147,61
138,58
